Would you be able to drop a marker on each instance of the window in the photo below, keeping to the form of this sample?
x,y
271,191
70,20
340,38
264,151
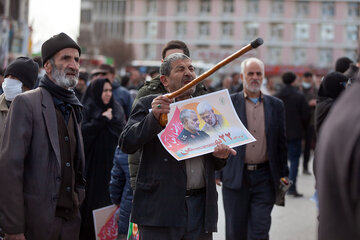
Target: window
x,y
228,6
299,55
149,51
354,10
227,29
327,32
352,33
151,7
351,53
181,6
85,16
252,7
274,55
277,30
302,31
204,29
251,30
277,7
325,57
328,9
302,9
205,6
151,29
180,28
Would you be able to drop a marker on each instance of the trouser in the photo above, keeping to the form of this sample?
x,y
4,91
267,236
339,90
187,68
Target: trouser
x,y
195,210
294,152
248,209
66,229
309,143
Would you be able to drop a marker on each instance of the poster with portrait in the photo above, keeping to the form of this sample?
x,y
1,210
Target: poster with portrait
x,y
197,125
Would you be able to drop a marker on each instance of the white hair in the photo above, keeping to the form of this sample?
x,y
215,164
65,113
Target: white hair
x,y
203,107
251,60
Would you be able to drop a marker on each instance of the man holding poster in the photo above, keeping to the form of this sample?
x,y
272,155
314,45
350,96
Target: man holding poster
x,y
172,197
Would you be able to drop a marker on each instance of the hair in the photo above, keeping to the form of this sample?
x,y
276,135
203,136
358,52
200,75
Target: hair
x,y
166,67
288,77
203,107
175,44
251,60
38,60
342,64
308,74
234,74
107,68
185,114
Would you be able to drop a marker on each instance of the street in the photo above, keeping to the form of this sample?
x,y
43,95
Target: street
x,y
296,221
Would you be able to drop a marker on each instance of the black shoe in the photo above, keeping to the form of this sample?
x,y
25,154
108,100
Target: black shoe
x,y
295,194
306,172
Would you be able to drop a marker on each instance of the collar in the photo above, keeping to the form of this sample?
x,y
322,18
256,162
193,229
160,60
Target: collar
x,y
261,97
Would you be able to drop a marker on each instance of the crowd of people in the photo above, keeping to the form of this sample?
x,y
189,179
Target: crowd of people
x,y
72,141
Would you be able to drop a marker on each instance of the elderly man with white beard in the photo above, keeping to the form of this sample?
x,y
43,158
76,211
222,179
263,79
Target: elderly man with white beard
x,y
41,157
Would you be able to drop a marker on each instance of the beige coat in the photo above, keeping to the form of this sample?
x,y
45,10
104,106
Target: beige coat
x,y
3,112
30,169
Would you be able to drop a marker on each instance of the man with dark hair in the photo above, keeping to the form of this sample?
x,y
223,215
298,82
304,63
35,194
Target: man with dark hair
x,y
309,89
173,199
42,157
342,64
297,115
81,86
172,46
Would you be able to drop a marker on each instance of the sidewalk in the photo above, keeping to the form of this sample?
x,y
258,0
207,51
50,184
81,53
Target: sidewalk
x,y
296,221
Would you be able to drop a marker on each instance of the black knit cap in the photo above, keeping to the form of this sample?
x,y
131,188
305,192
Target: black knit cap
x,y
55,44
288,77
25,69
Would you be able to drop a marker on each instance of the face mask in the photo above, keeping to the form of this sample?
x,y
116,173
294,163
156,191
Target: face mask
x,y
11,88
306,85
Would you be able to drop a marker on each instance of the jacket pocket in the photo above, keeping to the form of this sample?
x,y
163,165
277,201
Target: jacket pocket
x,y
147,184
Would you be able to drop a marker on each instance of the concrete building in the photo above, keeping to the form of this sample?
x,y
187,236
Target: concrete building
x,y
100,21
14,29
297,34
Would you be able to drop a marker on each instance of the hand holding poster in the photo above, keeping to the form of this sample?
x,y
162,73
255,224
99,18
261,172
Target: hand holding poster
x,y
198,125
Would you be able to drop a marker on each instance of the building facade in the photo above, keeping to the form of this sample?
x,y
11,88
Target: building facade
x,y
101,21
14,29
296,33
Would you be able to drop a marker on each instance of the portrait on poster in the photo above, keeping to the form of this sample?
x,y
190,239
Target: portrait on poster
x,y
197,125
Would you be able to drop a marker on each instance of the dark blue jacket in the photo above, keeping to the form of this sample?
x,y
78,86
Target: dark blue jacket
x,y
276,146
120,190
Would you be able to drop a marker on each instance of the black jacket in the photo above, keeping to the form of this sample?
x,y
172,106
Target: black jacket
x,y
297,112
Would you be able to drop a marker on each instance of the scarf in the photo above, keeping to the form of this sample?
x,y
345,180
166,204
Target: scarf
x,y
67,96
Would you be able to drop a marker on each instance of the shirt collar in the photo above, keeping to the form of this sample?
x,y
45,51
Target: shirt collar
x,y
261,97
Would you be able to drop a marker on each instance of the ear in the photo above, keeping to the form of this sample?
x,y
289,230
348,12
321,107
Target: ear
x,y
48,67
242,76
164,80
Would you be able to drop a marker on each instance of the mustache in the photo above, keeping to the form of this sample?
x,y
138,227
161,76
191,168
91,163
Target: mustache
x,y
71,71
255,81
187,78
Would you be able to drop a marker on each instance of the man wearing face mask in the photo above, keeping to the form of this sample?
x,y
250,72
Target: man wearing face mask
x,y
20,76
309,90
42,156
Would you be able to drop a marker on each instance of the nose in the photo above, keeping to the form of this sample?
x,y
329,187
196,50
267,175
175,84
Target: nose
x,y
74,64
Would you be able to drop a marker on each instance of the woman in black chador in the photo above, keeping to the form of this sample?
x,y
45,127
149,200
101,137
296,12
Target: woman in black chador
x,y
102,124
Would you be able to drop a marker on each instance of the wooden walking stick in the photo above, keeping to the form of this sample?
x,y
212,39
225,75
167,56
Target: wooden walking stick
x,y
254,44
